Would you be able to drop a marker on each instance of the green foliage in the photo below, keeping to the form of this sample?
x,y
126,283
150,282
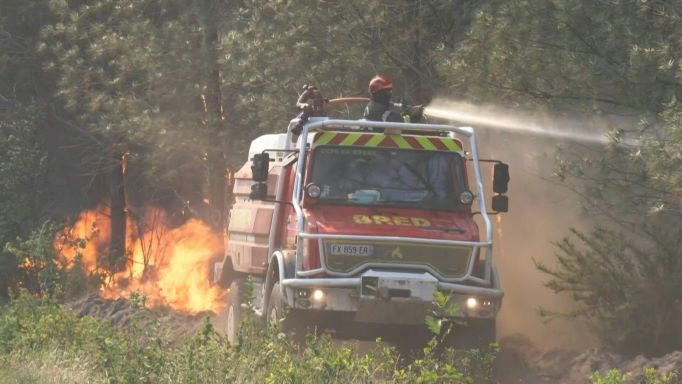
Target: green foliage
x,y
661,155
595,55
117,46
650,376
131,74
610,377
23,168
30,323
618,59
137,300
630,292
21,80
41,333
337,46
653,377
37,258
443,313
144,352
37,268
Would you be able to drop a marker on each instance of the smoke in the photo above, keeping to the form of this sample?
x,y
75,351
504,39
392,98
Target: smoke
x,y
540,210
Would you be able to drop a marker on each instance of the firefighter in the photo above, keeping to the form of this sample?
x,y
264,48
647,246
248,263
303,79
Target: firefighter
x,y
310,103
379,106
311,100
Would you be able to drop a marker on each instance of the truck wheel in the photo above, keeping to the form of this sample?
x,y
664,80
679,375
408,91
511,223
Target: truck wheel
x,y
276,307
477,334
234,309
291,322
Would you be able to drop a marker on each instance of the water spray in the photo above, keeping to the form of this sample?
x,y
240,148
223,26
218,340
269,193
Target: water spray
x,y
499,119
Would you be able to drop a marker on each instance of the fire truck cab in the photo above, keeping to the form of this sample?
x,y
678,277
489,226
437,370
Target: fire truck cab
x,y
356,223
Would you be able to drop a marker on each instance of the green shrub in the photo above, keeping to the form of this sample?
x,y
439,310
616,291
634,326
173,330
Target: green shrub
x,y
40,270
43,272
43,342
650,376
144,352
628,291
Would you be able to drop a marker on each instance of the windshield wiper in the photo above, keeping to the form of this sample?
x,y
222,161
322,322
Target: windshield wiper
x,y
421,178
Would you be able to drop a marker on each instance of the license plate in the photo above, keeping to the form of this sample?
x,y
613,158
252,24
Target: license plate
x,y
351,249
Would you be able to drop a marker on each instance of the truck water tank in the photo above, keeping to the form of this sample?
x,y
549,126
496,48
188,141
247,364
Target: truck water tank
x,y
271,142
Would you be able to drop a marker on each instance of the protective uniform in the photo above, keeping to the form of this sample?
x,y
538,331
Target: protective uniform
x,y
311,103
378,111
379,106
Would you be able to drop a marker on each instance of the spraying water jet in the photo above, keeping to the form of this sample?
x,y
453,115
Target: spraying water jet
x,y
500,119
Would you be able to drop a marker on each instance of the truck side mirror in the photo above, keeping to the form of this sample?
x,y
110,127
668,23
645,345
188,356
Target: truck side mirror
x,y
260,167
500,203
259,191
500,178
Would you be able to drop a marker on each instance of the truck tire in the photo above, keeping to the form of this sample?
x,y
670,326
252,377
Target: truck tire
x,y
234,310
285,319
276,308
223,273
477,334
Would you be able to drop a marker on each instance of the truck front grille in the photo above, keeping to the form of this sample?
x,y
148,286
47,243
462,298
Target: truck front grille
x,y
451,261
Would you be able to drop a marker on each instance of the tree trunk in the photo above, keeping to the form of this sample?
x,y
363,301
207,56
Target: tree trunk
x,y
417,73
117,241
215,158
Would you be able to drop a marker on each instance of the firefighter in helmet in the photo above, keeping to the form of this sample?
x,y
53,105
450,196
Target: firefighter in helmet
x,y
379,106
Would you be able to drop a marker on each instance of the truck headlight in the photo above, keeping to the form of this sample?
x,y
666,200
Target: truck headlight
x,y
466,197
472,303
313,191
318,295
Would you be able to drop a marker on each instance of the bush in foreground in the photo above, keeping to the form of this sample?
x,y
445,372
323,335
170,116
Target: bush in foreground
x,y
34,332
42,342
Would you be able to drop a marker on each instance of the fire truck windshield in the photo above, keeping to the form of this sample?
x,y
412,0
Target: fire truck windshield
x,y
388,177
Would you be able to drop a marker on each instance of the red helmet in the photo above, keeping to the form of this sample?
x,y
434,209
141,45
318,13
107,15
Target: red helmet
x,y
379,82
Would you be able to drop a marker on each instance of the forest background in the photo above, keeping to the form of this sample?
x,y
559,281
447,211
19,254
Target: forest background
x,y
154,102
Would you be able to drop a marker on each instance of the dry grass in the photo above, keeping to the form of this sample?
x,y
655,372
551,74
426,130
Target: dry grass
x,y
46,367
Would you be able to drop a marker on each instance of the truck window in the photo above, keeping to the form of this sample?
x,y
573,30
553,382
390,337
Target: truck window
x,y
388,177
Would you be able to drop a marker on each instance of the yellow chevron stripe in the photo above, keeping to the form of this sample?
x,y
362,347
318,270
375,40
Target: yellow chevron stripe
x,y
350,139
374,141
325,138
425,143
451,144
400,141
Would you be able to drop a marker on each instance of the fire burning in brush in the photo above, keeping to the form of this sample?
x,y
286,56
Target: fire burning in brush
x,y
168,265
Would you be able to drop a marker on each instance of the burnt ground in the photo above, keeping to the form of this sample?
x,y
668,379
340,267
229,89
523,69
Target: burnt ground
x,y
122,312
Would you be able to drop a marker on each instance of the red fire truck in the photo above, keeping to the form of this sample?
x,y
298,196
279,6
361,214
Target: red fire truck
x,y
353,225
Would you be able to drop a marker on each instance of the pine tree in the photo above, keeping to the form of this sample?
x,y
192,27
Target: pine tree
x,y
607,58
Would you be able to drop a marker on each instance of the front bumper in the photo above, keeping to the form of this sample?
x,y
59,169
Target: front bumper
x,y
389,297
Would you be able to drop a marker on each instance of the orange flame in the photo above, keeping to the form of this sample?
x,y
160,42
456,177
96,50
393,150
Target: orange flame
x,y
170,266
87,237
